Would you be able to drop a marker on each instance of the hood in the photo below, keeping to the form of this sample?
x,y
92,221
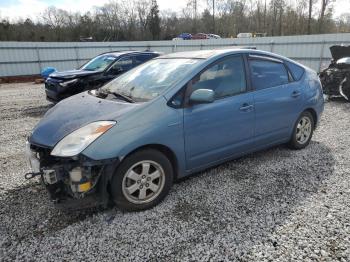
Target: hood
x,y
73,74
73,113
339,51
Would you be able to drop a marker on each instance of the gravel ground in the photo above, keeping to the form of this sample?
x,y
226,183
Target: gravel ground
x,y
277,204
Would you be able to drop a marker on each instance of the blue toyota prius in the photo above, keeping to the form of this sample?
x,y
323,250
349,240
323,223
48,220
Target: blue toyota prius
x,y
126,142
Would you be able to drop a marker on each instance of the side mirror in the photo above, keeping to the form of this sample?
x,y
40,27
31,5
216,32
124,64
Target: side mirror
x,y
202,96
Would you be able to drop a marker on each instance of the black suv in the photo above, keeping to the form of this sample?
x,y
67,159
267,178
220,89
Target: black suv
x,y
95,73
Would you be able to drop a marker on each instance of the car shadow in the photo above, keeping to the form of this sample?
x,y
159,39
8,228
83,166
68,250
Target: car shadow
x,y
36,111
244,200
240,202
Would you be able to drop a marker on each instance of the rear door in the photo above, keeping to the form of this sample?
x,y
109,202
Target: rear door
x,y
278,100
224,128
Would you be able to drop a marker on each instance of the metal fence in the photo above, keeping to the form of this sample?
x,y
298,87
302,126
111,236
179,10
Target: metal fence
x,y
29,58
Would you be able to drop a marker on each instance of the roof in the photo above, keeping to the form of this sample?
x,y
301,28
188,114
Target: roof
x,y
202,54
121,53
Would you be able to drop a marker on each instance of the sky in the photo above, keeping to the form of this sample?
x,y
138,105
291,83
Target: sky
x,y
15,9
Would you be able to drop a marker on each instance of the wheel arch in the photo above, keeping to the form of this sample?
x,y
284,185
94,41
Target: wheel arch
x,y
314,115
164,150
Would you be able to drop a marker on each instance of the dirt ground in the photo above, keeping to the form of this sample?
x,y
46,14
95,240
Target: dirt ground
x,y
277,204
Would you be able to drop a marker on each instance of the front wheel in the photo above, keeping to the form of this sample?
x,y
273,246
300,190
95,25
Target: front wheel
x,y
303,131
142,180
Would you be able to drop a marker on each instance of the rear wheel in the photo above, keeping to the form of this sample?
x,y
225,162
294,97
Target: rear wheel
x,y
303,131
142,180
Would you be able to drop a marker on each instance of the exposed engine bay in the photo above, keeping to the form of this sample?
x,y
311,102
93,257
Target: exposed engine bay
x,y
336,78
79,179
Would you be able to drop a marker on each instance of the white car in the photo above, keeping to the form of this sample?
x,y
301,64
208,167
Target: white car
x,y
212,36
244,35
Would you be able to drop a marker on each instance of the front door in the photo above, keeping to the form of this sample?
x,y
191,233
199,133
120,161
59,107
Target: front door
x,y
225,127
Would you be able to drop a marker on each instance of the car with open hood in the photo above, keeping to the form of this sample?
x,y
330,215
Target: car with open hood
x,y
336,78
127,142
93,74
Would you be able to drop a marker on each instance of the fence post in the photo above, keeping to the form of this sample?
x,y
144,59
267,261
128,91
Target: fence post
x,y
76,55
321,56
271,46
39,59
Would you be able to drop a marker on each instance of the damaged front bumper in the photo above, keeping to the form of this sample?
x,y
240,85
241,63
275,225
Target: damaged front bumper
x,y
336,82
72,183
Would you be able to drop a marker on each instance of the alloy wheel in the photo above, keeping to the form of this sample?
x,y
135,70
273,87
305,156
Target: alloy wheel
x,y
304,130
143,182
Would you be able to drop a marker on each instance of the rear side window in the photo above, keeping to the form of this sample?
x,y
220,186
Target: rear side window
x,y
122,65
297,71
139,59
267,74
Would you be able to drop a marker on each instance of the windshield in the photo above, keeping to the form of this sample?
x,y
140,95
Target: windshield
x,y
99,63
148,80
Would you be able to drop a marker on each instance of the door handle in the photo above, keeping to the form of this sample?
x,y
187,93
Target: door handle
x,y
246,107
296,94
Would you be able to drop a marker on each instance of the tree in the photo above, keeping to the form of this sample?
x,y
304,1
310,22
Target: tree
x,y
109,18
343,23
206,19
324,5
191,10
154,21
309,17
57,20
143,9
141,20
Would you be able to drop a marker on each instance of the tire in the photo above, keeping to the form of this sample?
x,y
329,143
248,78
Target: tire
x,y
142,180
303,131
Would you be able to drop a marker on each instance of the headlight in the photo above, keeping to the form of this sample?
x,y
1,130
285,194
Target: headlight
x,y
67,83
78,140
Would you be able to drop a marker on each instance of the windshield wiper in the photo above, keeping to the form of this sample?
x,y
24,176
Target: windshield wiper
x,y
103,94
124,97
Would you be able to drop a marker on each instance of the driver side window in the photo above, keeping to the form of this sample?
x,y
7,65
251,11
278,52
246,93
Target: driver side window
x,y
225,78
122,65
